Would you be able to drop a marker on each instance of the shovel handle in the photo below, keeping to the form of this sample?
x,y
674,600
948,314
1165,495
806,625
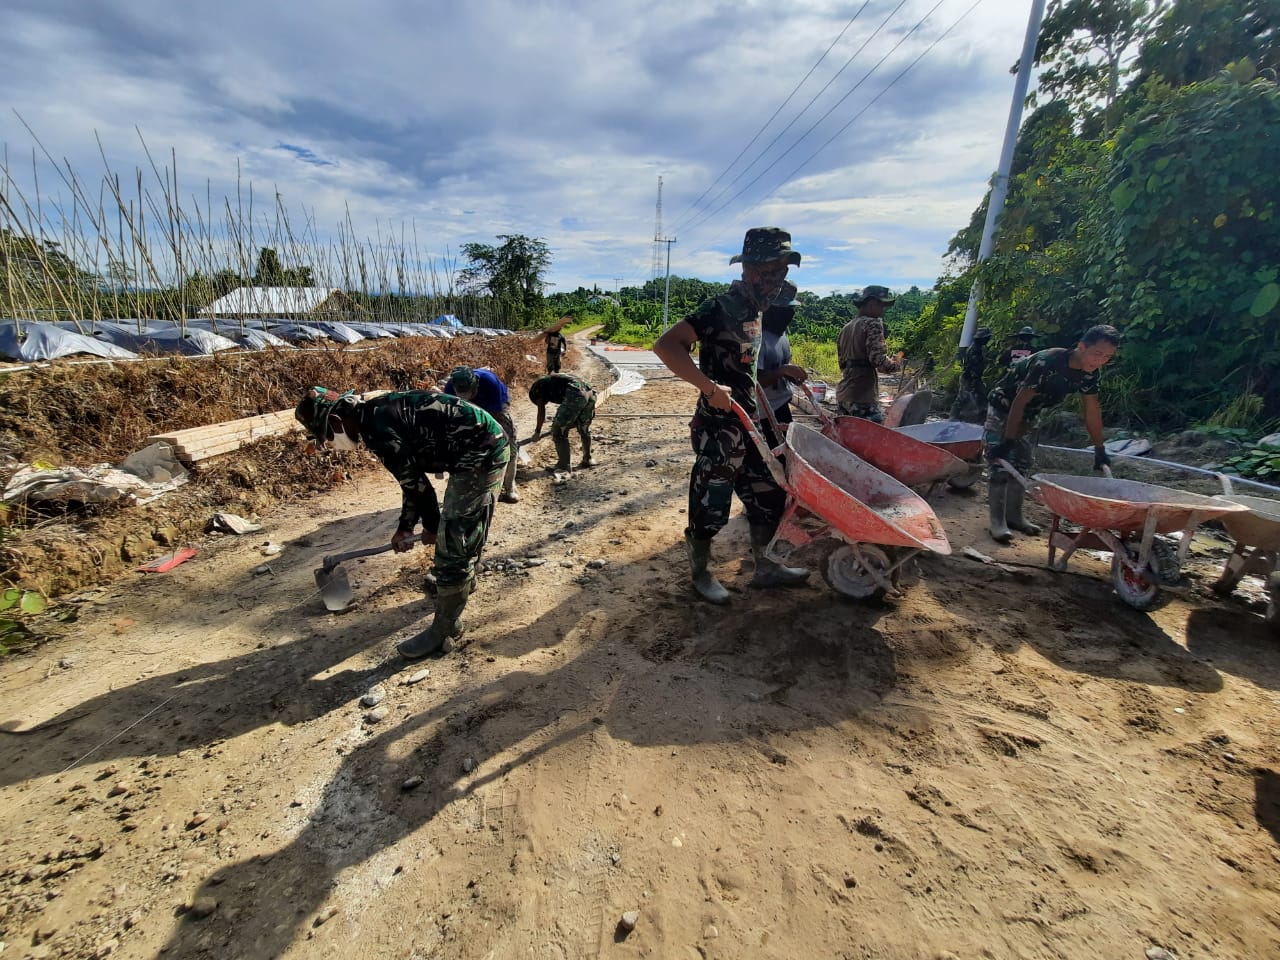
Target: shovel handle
x,y
330,562
826,417
770,461
1013,472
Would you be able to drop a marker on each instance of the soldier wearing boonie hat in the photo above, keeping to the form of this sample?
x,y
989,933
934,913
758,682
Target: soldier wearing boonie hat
x,y
862,353
1020,345
729,328
415,434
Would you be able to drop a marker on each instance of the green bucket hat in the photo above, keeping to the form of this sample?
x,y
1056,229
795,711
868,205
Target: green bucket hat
x,y
763,244
315,409
1027,332
463,379
875,292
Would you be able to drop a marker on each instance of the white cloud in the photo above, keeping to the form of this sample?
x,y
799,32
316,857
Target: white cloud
x,y
553,120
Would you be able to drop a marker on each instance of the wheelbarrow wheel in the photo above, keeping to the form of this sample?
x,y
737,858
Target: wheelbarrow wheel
x,y
1138,589
853,577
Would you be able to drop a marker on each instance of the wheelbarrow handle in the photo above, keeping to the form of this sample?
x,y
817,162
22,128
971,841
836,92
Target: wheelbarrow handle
x,y
1028,484
770,461
826,417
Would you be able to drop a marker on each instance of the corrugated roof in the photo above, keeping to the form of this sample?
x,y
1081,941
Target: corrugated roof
x,y
270,301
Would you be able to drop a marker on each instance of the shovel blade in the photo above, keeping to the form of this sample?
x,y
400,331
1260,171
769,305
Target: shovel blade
x,y
335,588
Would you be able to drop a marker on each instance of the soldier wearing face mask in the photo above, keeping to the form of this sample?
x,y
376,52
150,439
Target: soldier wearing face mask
x,y
416,434
728,330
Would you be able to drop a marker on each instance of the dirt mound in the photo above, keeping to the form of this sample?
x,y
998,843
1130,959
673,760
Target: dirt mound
x,y
94,413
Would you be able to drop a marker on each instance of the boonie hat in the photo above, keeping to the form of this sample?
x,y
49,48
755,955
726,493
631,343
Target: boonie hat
x,y
982,333
875,292
463,379
1027,332
762,244
314,410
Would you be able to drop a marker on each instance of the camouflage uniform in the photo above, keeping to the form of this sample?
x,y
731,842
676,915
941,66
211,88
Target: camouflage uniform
x,y
576,403
555,348
418,433
861,350
1053,380
726,461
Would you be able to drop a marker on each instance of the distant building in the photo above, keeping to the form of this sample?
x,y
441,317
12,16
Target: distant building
x,y
319,303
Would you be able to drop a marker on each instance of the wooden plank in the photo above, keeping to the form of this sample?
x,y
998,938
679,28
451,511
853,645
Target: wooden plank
x,y
267,421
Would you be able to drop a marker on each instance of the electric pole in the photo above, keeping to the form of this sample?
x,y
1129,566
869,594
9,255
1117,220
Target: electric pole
x,y
666,297
1000,186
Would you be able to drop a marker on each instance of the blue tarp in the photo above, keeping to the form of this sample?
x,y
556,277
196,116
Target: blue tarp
x,y
447,320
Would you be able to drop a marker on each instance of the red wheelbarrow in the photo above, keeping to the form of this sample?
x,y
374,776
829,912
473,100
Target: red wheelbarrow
x,y
960,439
1257,536
903,457
874,523
1124,517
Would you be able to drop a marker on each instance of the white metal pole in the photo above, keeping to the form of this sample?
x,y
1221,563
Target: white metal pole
x,y
1000,188
666,296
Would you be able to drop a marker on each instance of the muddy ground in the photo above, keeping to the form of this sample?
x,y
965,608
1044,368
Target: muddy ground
x,y
1004,763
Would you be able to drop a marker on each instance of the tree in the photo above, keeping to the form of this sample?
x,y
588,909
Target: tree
x,y
269,273
513,273
1195,39
1081,51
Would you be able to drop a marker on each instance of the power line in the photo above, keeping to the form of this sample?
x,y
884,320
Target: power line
x,y
868,106
794,91
850,122
812,100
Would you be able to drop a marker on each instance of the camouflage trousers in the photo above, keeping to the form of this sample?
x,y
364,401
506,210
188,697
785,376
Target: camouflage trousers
x,y
1021,454
867,411
509,430
465,518
576,411
727,462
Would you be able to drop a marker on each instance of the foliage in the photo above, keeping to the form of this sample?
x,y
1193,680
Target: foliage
x,y
271,274
1188,253
1260,462
1197,39
513,273
37,274
15,603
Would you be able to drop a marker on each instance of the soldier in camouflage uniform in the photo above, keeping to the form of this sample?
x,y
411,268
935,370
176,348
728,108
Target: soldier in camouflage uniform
x,y
1029,387
556,346
728,328
971,398
577,408
416,434
861,351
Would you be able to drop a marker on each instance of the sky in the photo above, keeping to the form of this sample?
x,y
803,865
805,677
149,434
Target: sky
x,y
420,125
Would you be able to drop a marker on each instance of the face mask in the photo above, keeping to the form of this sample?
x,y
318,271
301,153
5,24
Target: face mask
x,y
342,442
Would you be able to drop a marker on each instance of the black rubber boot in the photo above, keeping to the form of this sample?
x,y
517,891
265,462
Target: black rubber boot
x,y
704,581
446,625
561,442
587,461
1013,499
997,501
769,573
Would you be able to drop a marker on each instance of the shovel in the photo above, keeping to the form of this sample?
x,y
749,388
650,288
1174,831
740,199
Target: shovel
x,y
331,578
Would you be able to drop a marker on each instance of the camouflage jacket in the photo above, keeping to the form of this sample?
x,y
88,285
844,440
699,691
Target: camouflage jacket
x,y
421,432
554,387
729,330
1049,375
861,350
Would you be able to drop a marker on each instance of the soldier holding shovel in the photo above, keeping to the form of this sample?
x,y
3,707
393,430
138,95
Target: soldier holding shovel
x,y
416,434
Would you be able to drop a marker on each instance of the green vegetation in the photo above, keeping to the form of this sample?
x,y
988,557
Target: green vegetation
x,y
1143,194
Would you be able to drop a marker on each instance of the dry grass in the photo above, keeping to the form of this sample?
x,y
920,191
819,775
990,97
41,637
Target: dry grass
x,y
94,413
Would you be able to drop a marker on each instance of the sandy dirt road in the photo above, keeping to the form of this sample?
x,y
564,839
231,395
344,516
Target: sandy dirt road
x,y
1005,763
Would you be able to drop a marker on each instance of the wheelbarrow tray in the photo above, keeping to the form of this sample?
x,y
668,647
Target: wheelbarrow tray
x,y
1259,527
913,462
1126,506
860,502
960,439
